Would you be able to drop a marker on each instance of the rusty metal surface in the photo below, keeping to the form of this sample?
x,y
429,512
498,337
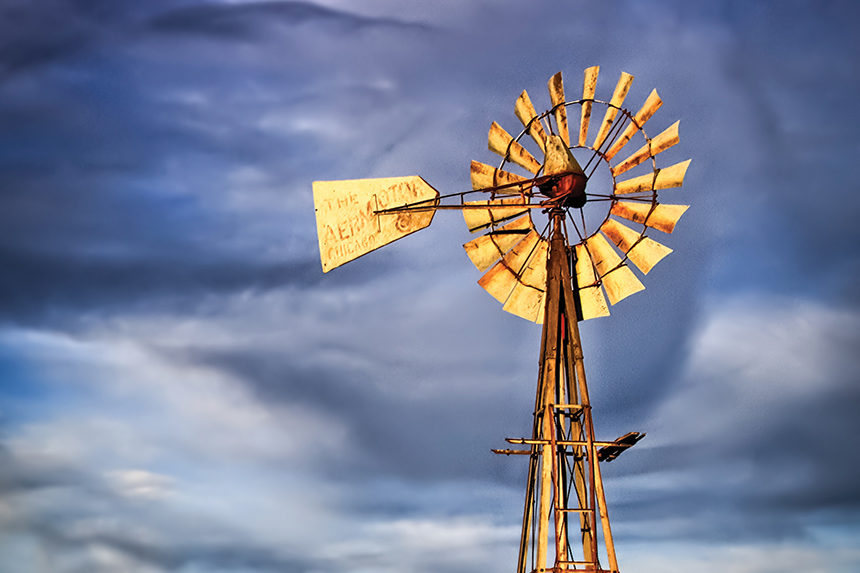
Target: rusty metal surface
x,y
662,217
602,254
647,253
527,298
485,250
484,176
525,112
500,141
618,280
559,159
621,283
621,89
589,85
496,211
660,143
592,301
556,96
642,251
651,105
502,277
666,178
347,225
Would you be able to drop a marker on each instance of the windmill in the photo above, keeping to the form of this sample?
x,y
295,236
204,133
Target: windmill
x,y
555,273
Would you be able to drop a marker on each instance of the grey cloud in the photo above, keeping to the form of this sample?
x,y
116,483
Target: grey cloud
x,y
246,20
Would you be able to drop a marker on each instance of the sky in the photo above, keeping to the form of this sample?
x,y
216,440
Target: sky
x,y
183,390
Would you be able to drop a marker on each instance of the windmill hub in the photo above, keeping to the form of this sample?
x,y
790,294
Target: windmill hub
x,y
569,188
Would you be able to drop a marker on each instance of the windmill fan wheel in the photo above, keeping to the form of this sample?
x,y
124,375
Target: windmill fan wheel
x,y
513,250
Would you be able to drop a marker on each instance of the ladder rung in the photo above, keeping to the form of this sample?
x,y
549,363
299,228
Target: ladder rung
x,y
536,441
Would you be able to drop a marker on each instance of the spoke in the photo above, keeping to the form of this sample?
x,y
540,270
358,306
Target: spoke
x,y
524,183
582,216
614,132
575,228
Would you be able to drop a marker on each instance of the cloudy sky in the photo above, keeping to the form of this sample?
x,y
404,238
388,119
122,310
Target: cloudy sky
x,y
183,390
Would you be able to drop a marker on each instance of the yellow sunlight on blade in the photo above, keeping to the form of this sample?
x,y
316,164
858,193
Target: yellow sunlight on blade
x,y
663,217
500,140
651,105
621,89
556,96
589,85
485,250
525,112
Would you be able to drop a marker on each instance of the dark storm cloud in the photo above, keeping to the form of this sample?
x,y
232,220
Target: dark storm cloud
x,y
103,177
772,417
217,555
37,286
18,477
450,436
246,20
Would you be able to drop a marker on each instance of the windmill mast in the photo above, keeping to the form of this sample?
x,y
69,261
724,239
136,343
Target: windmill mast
x,y
564,483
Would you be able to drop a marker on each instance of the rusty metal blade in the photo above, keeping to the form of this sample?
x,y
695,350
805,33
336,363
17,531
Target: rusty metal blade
x,y
527,298
662,142
589,84
661,217
525,112
604,256
502,277
666,178
556,96
585,275
621,89
647,253
642,251
500,141
347,225
651,105
485,250
485,176
477,219
592,301
621,283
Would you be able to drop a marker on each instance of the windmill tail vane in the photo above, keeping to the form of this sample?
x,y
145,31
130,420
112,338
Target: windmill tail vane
x,y
555,271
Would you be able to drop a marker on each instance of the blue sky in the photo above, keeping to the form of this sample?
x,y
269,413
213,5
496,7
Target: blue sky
x,y
182,390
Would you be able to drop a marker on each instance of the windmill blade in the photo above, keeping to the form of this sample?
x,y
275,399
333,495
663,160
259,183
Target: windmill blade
x,y
662,142
486,176
556,96
527,298
485,250
604,256
496,212
348,225
642,251
618,280
589,85
666,178
651,105
501,279
525,112
621,89
591,299
500,141
661,217
621,283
